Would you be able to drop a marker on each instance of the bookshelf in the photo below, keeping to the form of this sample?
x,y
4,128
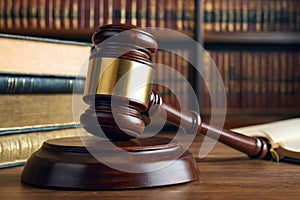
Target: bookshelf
x,y
229,25
255,45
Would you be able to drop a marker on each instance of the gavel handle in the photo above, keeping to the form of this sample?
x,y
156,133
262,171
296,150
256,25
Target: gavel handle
x,y
252,146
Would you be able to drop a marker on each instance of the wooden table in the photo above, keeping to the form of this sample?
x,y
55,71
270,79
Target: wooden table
x,y
224,174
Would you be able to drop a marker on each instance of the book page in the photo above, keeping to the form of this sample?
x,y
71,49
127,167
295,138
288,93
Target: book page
x,y
286,132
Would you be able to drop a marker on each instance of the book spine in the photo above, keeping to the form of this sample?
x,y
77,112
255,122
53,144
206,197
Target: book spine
x,y
244,81
91,12
171,15
116,11
139,12
97,13
284,15
165,75
238,79
128,12
133,12
231,15
245,15
105,11
188,15
297,79
217,88
168,13
290,12
36,128
297,21
207,65
123,12
258,16
65,14
32,13
278,12
276,80
110,12
208,15
290,79
16,13
272,16
238,15
86,14
256,100
143,11
224,15
46,109
217,15
26,84
41,14
226,77
8,13
264,79
16,149
74,9
56,14
150,13
49,14
2,14
174,80
265,15
160,13
179,15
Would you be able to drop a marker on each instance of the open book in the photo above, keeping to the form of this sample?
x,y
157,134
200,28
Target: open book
x,y
284,137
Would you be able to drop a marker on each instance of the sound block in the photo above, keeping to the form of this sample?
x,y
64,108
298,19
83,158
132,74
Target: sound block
x,y
67,163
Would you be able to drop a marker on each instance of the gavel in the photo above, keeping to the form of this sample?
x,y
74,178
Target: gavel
x,y
130,56
119,94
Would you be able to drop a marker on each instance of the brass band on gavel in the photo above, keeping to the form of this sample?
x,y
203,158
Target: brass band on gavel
x,y
119,77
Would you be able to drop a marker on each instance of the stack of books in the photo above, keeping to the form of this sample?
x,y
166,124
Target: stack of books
x,y
37,77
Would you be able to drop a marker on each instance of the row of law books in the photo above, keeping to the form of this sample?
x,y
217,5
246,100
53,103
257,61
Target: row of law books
x,y
251,15
91,14
254,79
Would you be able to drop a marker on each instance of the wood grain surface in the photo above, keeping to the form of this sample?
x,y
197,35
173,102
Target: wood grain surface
x,y
224,174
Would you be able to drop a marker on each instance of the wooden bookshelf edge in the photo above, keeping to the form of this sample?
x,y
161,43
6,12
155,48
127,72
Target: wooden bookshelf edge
x,y
292,38
79,34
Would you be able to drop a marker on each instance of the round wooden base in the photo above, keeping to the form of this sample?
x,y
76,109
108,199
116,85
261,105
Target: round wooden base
x,y
66,163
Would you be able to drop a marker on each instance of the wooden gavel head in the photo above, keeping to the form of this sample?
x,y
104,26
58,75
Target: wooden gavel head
x,y
119,82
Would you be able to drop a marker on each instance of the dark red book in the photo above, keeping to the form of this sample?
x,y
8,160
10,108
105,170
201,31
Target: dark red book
x,y
16,7
81,14
88,9
116,18
57,14
98,13
65,13
74,5
48,14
